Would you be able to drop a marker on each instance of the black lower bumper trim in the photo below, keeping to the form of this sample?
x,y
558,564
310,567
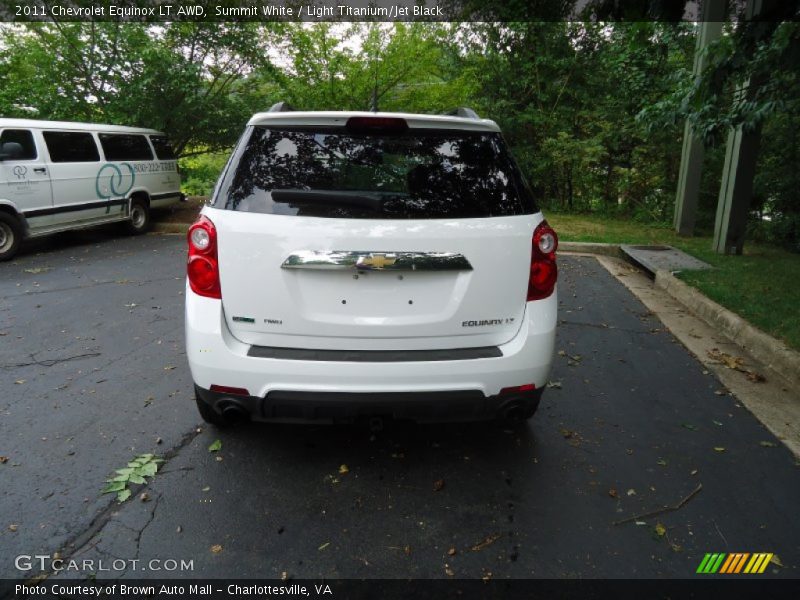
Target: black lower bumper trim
x,y
374,355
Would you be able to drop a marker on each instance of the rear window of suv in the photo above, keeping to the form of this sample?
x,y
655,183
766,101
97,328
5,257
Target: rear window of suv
x,y
418,174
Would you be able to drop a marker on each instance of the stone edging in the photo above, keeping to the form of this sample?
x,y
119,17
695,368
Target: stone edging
x,y
767,349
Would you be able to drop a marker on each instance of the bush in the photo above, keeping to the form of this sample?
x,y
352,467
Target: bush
x,y
199,173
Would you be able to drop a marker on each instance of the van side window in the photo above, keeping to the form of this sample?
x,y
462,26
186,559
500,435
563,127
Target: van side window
x,y
162,147
71,146
125,147
24,138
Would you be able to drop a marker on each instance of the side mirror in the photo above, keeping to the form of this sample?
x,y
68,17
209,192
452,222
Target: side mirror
x,y
11,150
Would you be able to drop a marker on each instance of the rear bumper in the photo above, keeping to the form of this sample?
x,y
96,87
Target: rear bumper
x,y
464,405
469,387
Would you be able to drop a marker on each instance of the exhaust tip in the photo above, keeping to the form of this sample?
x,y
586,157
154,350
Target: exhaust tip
x,y
513,411
232,412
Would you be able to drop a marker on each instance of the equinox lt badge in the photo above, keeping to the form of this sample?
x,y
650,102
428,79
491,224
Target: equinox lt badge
x,y
485,322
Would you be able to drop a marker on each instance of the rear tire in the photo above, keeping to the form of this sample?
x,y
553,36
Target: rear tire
x,y
139,221
10,236
208,414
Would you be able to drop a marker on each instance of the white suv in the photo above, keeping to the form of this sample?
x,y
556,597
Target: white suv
x,y
357,264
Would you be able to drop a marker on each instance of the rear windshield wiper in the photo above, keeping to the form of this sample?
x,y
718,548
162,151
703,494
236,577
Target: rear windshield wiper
x,y
373,201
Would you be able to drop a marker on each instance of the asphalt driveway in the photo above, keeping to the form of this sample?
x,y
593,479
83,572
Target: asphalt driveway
x,y
94,373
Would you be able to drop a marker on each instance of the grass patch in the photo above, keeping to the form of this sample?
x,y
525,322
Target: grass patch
x,y
761,285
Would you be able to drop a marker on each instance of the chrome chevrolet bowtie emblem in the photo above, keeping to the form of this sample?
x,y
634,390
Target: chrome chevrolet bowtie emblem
x,y
375,261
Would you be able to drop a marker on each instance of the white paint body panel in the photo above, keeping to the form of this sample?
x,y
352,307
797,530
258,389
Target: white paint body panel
x,y
216,357
378,310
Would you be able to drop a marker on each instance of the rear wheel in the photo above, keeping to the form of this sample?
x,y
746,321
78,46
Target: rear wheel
x,y
140,217
208,413
10,235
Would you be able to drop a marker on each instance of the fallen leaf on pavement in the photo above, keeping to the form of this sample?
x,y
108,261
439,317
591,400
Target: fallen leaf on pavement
x,y
451,552
631,492
767,444
13,527
216,548
407,550
449,572
689,426
216,446
612,492
488,541
169,368
3,460
732,362
343,469
554,384
323,546
20,381
756,377
775,560
660,530
438,485
719,449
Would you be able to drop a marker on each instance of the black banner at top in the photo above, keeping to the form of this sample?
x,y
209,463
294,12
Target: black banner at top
x,y
311,11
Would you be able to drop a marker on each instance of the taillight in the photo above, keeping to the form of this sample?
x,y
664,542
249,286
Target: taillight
x,y
544,272
203,266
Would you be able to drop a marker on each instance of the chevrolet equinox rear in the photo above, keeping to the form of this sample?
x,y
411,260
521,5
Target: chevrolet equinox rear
x,y
357,264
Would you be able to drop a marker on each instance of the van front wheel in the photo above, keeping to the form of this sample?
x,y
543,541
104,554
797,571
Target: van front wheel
x,y
10,236
140,217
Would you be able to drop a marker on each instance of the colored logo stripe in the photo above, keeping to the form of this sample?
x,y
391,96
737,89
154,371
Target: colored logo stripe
x,y
732,563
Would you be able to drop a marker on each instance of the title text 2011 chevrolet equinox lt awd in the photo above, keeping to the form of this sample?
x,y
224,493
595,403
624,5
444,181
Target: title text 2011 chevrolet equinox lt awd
x,y
357,264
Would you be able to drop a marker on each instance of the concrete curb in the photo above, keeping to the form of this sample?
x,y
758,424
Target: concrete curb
x,y
765,348
590,248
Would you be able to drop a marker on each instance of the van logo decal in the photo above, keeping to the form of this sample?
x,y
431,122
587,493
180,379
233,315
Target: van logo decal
x,y
20,171
115,181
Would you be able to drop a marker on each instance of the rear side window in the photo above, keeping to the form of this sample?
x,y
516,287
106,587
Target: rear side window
x,y
71,146
162,147
125,147
24,138
418,174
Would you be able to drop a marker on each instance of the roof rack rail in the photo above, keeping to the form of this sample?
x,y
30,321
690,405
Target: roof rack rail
x,y
280,107
464,113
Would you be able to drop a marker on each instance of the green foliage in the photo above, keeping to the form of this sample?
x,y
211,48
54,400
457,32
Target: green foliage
x,y
137,472
593,111
188,79
404,66
199,172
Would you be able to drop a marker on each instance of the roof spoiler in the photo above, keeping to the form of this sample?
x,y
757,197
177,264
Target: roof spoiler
x,y
463,112
280,107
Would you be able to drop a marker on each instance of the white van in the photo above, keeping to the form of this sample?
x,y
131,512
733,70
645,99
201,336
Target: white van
x,y
56,176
